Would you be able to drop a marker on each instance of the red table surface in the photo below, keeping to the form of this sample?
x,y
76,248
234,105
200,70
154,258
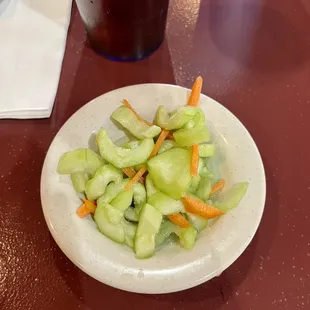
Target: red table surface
x,y
254,57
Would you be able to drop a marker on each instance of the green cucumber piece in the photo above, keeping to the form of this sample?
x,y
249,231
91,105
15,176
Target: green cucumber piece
x,y
79,160
166,229
167,145
95,187
150,188
121,157
194,184
123,200
188,137
112,190
130,232
197,221
79,180
165,204
187,237
170,171
137,128
204,189
131,215
231,198
198,120
148,227
206,150
114,232
177,119
114,215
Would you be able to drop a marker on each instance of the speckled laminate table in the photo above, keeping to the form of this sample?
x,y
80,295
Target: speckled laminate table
x,y
254,56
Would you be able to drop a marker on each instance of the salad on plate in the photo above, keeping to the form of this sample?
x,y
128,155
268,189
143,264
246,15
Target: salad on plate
x,y
157,184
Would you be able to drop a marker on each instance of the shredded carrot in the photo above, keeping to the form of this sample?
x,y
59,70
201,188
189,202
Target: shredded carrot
x,y
178,219
196,206
170,136
194,160
136,178
163,135
128,105
82,211
90,205
195,93
217,186
130,172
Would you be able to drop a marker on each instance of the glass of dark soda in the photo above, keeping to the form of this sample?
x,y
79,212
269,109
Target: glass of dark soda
x,y
124,29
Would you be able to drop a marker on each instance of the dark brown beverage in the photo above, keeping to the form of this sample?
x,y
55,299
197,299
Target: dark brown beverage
x,y
124,29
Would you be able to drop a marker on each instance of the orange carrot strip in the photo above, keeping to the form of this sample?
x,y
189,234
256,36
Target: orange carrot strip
x,y
195,93
196,206
139,174
82,211
178,219
217,186
194,160
163,135
90,205
128,105
136,178
130,172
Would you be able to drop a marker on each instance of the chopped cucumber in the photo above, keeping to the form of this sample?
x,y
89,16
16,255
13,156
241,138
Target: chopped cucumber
x,y
121,157
111,191
167,145
206,150
150,188
137,128
114,215
114,232
123,200
80,160
177,119
188,237
166,229
130,232
165,204
139,194
197,221
170,171
194,184
198,120
231,198
188,137
95,187
79,180
204,189
203,169
148,227
131,215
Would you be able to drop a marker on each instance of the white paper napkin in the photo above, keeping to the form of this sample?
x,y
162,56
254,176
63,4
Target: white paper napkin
x,y
33,36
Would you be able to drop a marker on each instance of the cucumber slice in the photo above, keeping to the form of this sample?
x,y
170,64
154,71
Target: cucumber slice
x,y
150,188
95,187
188,237
167,145
111,191
131,215
232,197
123,200
166,229
79,180
165,204
79,160
114,215
206,150
114,232
121,157
188,137
137,128
197,221
170,171
204,189
130,232
194,184
148,227
139,194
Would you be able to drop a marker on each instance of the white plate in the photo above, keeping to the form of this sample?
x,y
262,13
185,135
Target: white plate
x,y
172,268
